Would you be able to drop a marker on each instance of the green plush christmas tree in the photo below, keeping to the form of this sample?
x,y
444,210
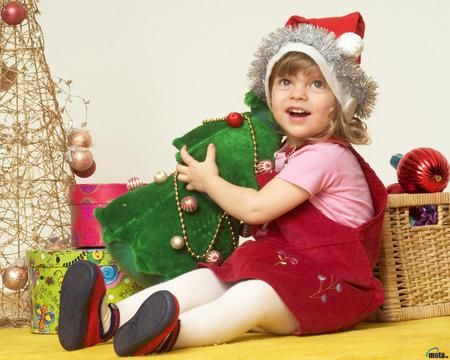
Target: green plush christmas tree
x,y
162,230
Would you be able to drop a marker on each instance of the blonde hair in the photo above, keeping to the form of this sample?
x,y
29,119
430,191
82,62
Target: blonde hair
x,y
353,130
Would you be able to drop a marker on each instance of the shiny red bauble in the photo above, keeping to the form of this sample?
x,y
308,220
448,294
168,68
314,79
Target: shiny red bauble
x,y
235,120
395,189
423,170
13,13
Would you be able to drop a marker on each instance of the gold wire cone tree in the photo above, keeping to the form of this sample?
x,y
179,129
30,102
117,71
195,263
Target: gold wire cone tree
x,y
34,175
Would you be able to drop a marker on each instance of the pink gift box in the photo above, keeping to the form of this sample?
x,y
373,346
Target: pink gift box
x,y
83,200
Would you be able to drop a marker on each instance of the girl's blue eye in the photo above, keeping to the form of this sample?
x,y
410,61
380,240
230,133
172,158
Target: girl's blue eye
x,y
317,84
285,82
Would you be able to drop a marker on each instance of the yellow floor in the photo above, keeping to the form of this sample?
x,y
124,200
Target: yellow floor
x,y
391,341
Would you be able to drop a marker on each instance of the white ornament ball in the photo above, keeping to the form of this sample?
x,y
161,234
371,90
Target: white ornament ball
x,y
351,44
177,242
160,177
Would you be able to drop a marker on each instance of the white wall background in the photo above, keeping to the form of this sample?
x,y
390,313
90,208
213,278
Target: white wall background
x,y
155,69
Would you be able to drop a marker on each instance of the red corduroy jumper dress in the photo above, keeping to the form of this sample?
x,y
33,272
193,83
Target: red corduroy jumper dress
x,y
322,270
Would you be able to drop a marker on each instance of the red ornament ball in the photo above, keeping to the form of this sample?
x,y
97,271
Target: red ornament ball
x,y
395,189
235,119
214,257
189,204
86,173
13,13
423,170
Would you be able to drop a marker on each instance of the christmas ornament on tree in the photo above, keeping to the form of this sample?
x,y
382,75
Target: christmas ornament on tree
x,y
134,183
214,257
80,138
80,158
422,170
79,155
177,242
189,204
235,119
33,141
13,13
160,177
15,277
86,173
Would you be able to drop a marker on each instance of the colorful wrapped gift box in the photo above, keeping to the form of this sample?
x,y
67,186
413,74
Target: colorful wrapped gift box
x,y
46,271
84,199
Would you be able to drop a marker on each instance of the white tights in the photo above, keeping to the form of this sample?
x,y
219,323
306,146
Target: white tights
x,y
213,312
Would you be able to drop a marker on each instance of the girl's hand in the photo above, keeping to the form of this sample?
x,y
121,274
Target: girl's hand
x,y
196,173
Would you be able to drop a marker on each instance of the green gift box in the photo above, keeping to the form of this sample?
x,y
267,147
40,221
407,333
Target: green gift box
x,y
46,272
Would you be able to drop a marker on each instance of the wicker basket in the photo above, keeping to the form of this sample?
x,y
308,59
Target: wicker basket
x,y
414,262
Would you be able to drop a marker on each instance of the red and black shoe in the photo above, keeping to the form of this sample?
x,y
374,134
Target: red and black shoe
x,y
154,327
82,293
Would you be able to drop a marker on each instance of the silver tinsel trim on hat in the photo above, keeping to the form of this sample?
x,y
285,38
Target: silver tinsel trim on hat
x,y
349,74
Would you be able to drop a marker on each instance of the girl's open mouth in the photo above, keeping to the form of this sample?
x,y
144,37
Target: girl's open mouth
x,y
298,113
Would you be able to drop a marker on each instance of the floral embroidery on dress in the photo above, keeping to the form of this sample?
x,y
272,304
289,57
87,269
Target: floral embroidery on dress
x,y
321,293
284,259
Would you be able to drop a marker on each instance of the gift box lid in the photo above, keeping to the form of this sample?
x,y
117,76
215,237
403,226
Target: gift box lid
x,y
95,193
65,258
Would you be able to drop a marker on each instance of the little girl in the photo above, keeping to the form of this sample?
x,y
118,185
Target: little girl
x,y
309,269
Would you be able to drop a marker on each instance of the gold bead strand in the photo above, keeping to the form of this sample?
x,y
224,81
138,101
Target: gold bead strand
x,y
255,149
183,226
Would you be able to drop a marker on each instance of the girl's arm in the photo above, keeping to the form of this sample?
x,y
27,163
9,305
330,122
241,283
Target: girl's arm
x,y
251,206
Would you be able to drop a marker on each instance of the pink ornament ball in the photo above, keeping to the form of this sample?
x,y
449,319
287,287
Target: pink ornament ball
x,y
134,183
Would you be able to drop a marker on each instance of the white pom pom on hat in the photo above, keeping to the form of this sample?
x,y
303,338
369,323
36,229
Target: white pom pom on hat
x,y
351,44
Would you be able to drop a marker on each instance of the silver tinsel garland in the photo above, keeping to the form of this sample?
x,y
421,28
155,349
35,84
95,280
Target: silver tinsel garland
x,y
349,74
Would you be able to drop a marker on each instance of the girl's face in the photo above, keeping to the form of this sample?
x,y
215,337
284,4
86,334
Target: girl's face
x,y
303,105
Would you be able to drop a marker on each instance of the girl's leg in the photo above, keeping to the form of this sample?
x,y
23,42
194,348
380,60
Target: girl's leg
x,y
248,304
191,289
